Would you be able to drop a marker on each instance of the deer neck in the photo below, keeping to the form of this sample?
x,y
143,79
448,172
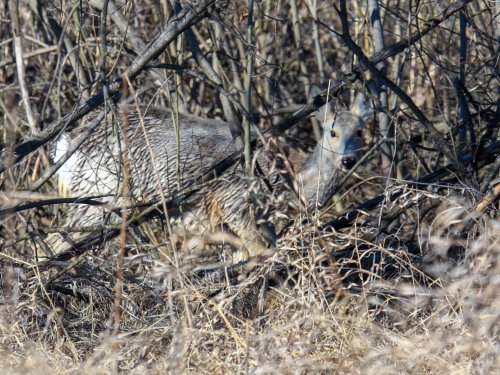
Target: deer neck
x,y
319,177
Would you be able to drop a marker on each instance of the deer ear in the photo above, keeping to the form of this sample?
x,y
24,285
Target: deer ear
x,y
362,107
325,110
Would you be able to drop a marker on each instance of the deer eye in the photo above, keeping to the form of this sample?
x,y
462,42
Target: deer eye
x,y
332,133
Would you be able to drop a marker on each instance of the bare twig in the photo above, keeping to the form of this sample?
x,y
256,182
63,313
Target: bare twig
x,y
488,199
82,200
126,29
123,224
38,52
313,7
21,74
383,119
208,70
304,74
247,151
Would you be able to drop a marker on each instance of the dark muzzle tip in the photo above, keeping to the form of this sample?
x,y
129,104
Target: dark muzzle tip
x,y
348,163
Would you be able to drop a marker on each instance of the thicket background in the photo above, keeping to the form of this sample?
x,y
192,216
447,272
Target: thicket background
x,y
410,286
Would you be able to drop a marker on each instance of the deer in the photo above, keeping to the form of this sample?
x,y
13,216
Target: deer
x,y
162,157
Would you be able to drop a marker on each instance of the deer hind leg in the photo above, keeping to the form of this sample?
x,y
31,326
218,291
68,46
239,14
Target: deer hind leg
x,y
198,232
242,241
239,211
225,206
240,221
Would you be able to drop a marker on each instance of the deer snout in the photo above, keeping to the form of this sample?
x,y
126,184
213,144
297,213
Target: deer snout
x,y
348,162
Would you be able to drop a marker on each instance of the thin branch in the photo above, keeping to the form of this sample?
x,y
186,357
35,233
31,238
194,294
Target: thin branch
x,y
126,29
377,29
47,202
123,225
313,8
21,73
38,52
247,151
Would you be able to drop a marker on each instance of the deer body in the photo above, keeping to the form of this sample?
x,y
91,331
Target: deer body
x,y
158,164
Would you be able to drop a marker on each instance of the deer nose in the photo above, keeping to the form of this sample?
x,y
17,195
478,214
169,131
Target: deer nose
x,y
348,162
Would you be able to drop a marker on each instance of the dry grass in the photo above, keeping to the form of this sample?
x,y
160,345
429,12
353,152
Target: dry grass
x,y
313,319
412,287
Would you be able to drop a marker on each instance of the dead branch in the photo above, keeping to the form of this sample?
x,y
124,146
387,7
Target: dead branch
x,y
21,74
47,202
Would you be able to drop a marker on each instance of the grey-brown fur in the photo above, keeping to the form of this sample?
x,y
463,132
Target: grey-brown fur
x,y
97,170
